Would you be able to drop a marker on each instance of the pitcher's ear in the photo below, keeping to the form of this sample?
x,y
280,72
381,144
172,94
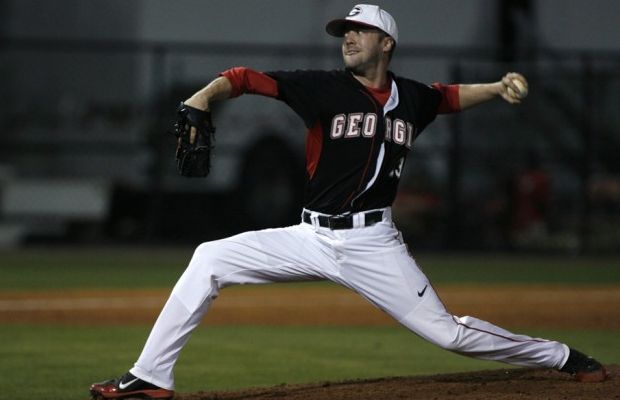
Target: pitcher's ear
x,y
388,43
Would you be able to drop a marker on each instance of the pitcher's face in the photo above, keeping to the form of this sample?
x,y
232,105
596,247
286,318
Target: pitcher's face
x,y
362,47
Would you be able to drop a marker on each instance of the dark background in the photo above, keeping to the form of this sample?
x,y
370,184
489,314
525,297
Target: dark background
x,y
89,88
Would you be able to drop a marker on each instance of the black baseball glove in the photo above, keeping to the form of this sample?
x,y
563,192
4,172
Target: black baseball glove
x,y
193,154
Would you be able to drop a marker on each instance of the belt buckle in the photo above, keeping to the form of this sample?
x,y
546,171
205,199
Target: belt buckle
x,y
331,222
339,222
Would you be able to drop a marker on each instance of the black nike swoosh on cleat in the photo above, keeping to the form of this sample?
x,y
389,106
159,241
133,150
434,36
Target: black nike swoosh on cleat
x,y
420,294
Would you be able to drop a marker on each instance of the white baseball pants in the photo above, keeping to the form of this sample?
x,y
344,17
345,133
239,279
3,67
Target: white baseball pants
x,y
373,261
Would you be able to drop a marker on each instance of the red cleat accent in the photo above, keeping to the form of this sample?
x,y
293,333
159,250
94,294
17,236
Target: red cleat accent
x,y
126,387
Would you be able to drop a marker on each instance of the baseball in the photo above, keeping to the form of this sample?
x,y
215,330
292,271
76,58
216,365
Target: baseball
x,y
522,93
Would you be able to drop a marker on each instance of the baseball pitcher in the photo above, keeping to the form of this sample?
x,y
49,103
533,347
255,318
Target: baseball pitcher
x,y
361,123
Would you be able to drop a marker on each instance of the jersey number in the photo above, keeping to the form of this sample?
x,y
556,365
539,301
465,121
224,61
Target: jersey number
x,y
399,168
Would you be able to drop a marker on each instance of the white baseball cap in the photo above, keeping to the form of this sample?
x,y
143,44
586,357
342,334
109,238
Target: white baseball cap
x,y
368,15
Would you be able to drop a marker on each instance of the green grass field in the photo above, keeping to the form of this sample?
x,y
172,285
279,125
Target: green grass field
x,y
60,361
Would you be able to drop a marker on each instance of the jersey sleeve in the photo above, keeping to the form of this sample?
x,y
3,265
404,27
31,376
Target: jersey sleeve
x,y
428,100
300,90
449,98
246,80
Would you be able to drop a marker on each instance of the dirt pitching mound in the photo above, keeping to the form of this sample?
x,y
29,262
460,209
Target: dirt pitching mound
x,y
501,384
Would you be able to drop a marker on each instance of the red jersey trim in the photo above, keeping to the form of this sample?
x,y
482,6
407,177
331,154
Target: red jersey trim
x,y
314,145
381,95
449,98
246,80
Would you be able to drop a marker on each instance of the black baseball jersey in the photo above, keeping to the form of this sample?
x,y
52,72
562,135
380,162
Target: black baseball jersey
x,y
356,148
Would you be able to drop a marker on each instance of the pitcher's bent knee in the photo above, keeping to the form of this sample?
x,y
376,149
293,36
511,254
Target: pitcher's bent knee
x,y
199,276
209,258
216,260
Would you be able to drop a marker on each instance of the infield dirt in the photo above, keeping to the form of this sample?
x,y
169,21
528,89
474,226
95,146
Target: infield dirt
x,y
506,384
581,307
